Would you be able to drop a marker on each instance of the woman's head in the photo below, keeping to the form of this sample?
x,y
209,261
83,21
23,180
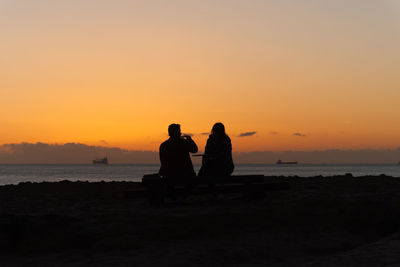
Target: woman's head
x,y
218,129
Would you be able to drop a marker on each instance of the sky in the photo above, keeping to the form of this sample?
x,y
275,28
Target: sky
x,y
296,75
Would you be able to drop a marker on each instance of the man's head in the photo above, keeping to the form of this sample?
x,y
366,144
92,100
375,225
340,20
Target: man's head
x,y
174,130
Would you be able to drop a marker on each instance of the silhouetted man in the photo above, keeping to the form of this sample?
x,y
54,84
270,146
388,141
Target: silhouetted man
x,y
176,165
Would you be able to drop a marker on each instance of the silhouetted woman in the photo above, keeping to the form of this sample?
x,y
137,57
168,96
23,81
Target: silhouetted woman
x,y
217,159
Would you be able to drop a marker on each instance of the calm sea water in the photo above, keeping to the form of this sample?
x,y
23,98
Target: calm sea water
x,y
14,174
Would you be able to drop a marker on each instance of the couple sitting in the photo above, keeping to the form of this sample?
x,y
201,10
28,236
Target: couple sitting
x,y
176,165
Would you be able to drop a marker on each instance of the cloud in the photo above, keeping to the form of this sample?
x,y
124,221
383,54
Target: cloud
x,y
299,134
247,134
273,133
83,154
75,153
204,133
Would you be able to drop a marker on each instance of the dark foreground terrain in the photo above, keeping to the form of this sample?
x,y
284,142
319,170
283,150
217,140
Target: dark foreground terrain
x,y
333,221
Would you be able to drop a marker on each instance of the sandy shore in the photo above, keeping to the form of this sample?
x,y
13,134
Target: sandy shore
x,y
332,221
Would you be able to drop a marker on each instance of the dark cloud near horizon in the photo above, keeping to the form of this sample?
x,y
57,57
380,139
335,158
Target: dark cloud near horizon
x,y
299,134
188,134
72,153
273,133
78,153
245,134
204,133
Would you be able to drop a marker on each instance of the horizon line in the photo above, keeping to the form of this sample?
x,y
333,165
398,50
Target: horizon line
x,y
237,151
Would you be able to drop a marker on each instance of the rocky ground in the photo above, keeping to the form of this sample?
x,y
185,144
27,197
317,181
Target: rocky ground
x,y
331,221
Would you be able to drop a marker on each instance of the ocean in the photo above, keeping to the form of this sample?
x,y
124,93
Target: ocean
x,y
14,174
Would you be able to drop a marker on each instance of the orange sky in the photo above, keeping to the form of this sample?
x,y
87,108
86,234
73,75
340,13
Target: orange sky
x,y
117,73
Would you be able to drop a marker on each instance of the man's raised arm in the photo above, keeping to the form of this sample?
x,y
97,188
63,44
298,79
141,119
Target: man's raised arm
x,y
191,145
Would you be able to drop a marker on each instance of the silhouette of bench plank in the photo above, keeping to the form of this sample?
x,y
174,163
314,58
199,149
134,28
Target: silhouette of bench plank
x,y
246,184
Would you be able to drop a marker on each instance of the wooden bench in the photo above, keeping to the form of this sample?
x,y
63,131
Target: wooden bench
x,y
249,185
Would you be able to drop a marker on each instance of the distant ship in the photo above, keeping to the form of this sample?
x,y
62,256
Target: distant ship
x,y
286,162
101,161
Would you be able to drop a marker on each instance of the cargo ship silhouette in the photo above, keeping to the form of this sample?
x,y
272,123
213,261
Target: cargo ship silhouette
x,y
286,162
101,161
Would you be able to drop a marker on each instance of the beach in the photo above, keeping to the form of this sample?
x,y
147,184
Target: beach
x,y
319,221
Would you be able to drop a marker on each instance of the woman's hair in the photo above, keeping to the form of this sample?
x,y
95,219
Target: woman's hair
x,y
218,129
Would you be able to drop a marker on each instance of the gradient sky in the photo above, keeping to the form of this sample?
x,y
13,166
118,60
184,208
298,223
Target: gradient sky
x,y
302,74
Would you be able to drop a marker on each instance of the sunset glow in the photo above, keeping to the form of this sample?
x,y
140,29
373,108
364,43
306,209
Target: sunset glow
x,y
302,75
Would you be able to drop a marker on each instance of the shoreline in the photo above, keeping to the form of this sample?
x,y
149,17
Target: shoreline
x,y
321,221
